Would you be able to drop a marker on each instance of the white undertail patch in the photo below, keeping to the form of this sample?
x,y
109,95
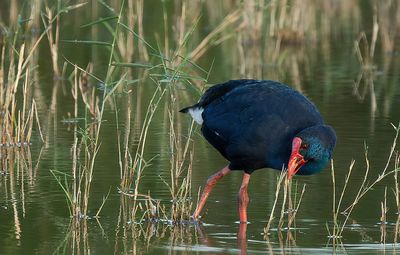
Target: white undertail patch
x,y
196,114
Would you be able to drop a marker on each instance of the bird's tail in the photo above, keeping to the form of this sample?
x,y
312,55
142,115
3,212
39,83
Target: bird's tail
x,y
195,111
185,110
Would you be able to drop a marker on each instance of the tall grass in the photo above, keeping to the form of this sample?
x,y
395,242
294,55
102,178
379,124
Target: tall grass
x,y
263,37
367,185
17,65
17,107
19,120
172,69
397,198
290,203
86,147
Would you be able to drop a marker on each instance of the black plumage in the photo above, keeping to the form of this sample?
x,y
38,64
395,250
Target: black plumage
x,y
252,123
258,124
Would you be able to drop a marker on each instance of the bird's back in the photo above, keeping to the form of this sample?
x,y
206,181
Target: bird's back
x,y
252,123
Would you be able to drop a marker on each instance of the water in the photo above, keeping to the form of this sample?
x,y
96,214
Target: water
x,y
322,64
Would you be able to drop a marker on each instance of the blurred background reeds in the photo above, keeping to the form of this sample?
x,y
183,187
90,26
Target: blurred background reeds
x,y
95,157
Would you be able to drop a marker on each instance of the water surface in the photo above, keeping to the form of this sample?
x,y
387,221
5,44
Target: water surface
x,y
318,58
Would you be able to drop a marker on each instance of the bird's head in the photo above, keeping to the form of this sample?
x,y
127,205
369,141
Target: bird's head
x,y
311,150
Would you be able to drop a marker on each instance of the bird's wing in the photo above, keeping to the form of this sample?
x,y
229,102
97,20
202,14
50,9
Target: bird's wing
x,y
216,92
229,114
219,90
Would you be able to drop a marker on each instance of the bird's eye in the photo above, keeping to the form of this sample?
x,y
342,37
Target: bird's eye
x,y
304,146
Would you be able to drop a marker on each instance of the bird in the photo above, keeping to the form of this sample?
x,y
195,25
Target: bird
x,y
261,124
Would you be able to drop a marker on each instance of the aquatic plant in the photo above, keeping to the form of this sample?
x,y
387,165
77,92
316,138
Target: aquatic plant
x,y
367,185
52,69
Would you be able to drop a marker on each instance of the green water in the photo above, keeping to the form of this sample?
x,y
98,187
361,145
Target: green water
x,y
320,61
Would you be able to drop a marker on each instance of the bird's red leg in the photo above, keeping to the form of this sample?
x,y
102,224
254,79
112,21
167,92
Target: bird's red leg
x,y
242,239
243,198
212,180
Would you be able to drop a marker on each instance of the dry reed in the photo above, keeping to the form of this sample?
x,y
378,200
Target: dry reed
x,y
366,186
290,204
271,26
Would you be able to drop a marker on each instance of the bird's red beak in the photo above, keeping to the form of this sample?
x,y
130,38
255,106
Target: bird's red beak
x,y
296,160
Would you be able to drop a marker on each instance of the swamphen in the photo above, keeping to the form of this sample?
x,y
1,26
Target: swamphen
x,y
261,124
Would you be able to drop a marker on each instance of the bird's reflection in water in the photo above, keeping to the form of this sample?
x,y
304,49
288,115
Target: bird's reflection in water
x,y
285,243
192,237
242,238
